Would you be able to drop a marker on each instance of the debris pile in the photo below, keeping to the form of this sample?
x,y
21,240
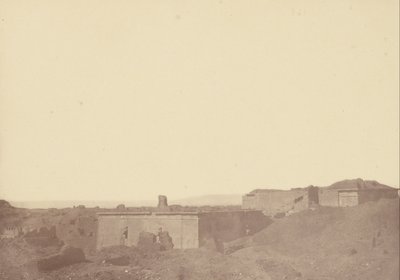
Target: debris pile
x,y
67,256
160,242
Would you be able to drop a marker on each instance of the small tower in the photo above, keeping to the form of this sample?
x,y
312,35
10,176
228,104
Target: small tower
x,y
162,203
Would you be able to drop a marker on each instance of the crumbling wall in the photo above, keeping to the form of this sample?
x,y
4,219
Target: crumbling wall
x,y
281,202
42,237
272,202
249,201
187,230
313,195
219,227
109,230
78,228
183,228
10,232
328,197
81,234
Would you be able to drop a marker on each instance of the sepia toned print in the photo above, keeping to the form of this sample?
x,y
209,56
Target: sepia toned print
x,y
197,140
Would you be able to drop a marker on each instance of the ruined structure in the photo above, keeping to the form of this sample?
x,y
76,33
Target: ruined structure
x,y
353,192
11,232
186,229
341,194
162,204
273,202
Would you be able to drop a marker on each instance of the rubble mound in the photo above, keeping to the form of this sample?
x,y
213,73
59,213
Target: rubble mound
x,y
78,227
67,256
161,242
42,237
190,264
165,241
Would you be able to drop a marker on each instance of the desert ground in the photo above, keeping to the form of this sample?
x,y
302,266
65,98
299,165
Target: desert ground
x,y
360,242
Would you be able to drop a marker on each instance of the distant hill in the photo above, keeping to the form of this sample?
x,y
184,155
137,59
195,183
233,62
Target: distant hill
x,y
358,184
211,200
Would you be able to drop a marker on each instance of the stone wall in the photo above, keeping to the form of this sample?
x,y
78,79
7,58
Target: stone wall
x,y
187,230
183,228
226,226
328,197
249,201
348,198
272,202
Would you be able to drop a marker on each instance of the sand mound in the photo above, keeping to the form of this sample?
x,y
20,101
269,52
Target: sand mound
x,y
342,243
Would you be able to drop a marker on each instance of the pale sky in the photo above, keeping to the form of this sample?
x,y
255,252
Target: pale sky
x,y
128,99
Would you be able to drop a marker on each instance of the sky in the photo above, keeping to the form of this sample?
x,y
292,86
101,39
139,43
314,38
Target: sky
x,y
125,100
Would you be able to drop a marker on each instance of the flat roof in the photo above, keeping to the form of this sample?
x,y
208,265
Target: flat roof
x,y
111,213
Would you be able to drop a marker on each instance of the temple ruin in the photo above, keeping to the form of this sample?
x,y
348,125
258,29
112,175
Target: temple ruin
x,y
187,229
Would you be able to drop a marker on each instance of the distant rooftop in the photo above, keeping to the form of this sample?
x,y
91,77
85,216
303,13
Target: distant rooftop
x,y
266,190
358,184
352,184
